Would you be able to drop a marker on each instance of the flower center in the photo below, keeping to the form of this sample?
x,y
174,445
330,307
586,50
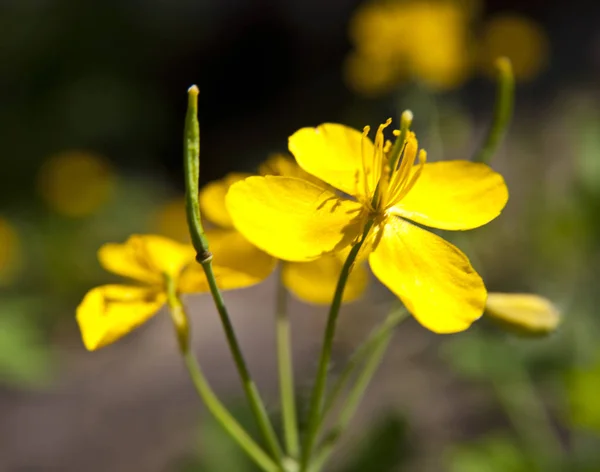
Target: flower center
x,y
389,172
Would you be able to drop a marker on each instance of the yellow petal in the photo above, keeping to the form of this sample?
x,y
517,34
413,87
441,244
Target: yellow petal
x,y
433,278
315,281
212,199
293,219
526,312
333,153
236,264
454,195
146,258
109,312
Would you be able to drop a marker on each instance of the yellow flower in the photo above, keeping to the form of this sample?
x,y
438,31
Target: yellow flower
x,y
524,312
396,41
313,281
296,220
76,184
109,312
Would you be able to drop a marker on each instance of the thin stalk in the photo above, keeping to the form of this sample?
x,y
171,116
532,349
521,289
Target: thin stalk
x,y
356,394
316,403
191,160
254,399
392,320
286,373
205,392
225,418
503,109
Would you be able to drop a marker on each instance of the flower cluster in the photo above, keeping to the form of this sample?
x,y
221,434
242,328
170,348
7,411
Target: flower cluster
x,y
345,200
434,42
343,189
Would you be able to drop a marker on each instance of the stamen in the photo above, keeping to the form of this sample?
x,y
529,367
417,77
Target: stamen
x,y
406,162
366,168
407,188
381,173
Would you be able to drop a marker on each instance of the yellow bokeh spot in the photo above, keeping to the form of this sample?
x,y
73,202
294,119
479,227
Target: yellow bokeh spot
x,y
520,39
10,252
75,183
425,40
170,220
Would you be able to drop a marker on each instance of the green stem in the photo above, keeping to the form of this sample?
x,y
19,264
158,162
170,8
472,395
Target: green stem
x,y
286,373
224,417
254,399
205,392
191,167
204,257
353,400
392,320
503,109
316,403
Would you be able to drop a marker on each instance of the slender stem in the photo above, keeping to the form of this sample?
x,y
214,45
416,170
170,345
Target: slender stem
x,y
353,400
224,417
286,373
503,109
191,160
392,320
316,403
205,392
254,399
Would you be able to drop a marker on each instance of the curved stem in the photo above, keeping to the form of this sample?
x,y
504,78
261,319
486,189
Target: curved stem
x,y
316,402
503,109
205,392
254,399
392,320
356,394
286,373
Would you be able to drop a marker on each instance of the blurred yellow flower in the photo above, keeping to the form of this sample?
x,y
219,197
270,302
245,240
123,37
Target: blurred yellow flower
x,y
296,220
312,282
520,39
109,312
75,183
10,252
170,220
409,39
524,312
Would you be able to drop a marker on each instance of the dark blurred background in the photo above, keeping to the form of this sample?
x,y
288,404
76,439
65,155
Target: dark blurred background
x,y
92,100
